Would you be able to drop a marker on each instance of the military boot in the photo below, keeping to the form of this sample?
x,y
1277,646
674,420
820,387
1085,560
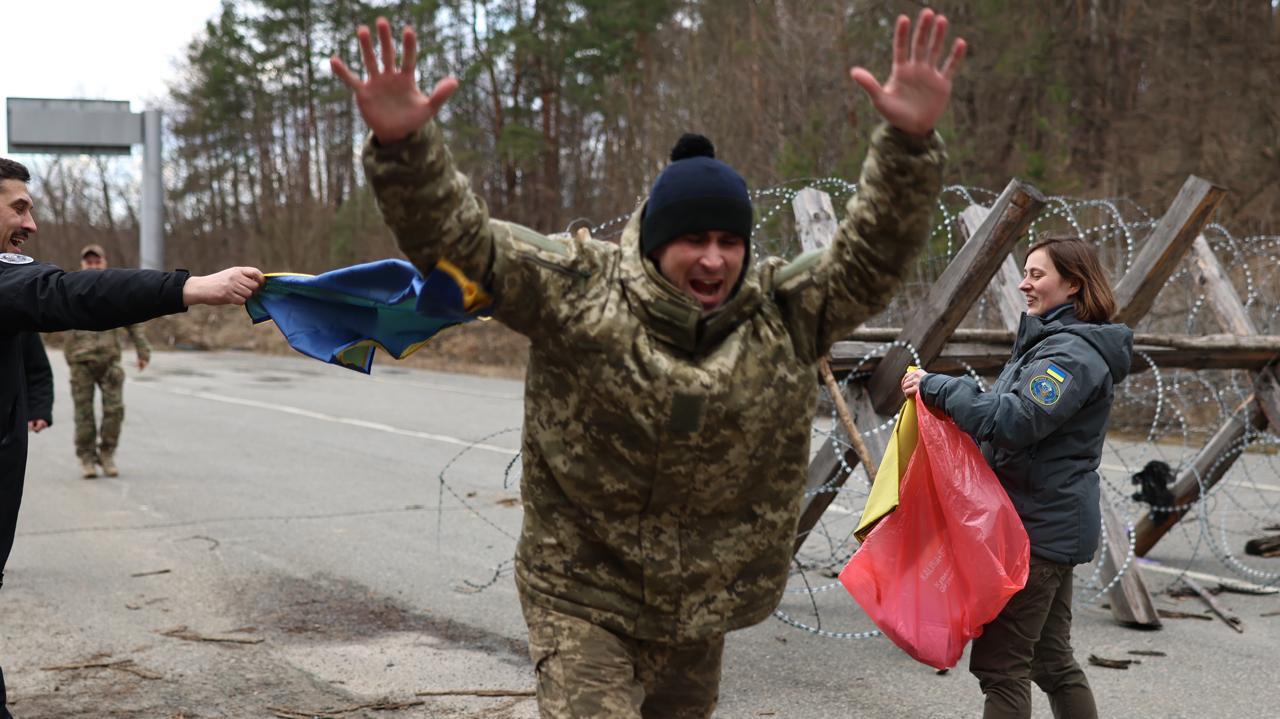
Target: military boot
x,y
108,462
89,470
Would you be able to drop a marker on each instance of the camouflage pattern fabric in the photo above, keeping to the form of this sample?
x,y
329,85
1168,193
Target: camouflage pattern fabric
x,y
94,361
664,452
89,346
110,377
586,671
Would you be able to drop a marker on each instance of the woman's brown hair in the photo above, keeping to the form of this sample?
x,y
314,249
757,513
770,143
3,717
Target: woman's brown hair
x,y
1076,261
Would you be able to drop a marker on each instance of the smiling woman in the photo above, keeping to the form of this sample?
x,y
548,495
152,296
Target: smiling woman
x,y
1062,270
1041,428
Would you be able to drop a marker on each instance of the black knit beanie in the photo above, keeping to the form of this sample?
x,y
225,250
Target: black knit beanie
x,y
695,193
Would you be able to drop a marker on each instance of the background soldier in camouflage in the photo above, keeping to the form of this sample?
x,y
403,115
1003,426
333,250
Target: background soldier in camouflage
x,y
671,382
94,361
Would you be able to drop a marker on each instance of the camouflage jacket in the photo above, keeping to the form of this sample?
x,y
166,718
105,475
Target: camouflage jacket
x,y
89,346
664,452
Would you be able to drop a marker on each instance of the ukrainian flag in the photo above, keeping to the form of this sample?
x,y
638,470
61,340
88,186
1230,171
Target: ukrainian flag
x,y
883,497
1056,372
344,316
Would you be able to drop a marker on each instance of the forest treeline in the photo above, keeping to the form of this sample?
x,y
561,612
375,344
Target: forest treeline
x,y
568,109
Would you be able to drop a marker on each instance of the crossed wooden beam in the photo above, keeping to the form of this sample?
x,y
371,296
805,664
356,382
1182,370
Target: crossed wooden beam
x,y
984,264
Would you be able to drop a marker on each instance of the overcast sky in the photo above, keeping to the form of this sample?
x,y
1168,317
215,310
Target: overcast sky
x,y
94,49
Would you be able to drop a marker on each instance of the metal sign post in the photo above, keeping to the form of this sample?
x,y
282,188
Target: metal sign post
x,y
98,127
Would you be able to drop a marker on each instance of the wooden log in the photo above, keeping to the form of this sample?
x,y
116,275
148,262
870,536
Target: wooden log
x,y
961,283
1203,343
846,419
827,473
1164,248
1130,599
1263,546
1009,304
1264,407
1269,395
989,358
1219,295
815,218
1207,467
1230,619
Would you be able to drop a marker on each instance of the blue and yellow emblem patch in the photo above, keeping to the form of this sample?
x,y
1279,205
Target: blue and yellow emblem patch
x,y
1045,389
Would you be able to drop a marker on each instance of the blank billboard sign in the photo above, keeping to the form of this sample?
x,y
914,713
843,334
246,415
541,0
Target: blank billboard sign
x,y
72,126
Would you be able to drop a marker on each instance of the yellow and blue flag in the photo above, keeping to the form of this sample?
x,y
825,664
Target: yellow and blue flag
x,y
883,498
343,316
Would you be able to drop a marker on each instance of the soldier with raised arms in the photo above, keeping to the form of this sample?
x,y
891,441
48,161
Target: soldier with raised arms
x,y
671,381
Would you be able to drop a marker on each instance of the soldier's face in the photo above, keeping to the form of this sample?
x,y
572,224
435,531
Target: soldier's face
x,y
1041,284
17,224
704,266
92,262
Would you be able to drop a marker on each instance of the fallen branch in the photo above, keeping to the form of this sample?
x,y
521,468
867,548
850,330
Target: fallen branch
x,y
1147,653
1263,546
190,636
286,713
1232,621
137,671
1266,343
85,665
1251,589
150,574
477,693
123,665
1098,661
1175,614
850,429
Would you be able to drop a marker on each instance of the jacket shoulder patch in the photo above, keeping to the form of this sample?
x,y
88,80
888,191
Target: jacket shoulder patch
x,y
1047,383
1045,390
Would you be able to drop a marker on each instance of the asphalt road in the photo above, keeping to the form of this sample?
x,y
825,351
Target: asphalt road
x,y
297,508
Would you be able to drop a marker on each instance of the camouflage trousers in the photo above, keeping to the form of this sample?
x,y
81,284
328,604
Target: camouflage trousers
x,y
110,377
585,671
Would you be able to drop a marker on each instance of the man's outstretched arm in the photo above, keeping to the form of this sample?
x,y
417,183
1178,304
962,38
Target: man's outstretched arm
x,y
425,201
830,293
43,298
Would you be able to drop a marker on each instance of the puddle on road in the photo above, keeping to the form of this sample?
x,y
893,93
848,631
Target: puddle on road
x,y
346,636
326,610
273,378
176,372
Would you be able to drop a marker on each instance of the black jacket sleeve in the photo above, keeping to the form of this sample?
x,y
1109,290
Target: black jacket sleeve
x,y
39,378
42,298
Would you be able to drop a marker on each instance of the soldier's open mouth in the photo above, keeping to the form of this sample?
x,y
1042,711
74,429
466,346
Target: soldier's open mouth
x,y
705,288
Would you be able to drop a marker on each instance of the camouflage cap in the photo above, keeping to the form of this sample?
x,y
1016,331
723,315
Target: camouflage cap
x,y
93,250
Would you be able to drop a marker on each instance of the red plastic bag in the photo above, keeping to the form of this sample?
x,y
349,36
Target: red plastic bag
x,y
941,566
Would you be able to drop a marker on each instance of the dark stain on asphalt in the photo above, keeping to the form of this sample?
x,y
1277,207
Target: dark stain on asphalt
x,y
324,608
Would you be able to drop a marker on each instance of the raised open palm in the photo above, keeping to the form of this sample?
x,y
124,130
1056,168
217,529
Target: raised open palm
x,y
918,89
389,100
